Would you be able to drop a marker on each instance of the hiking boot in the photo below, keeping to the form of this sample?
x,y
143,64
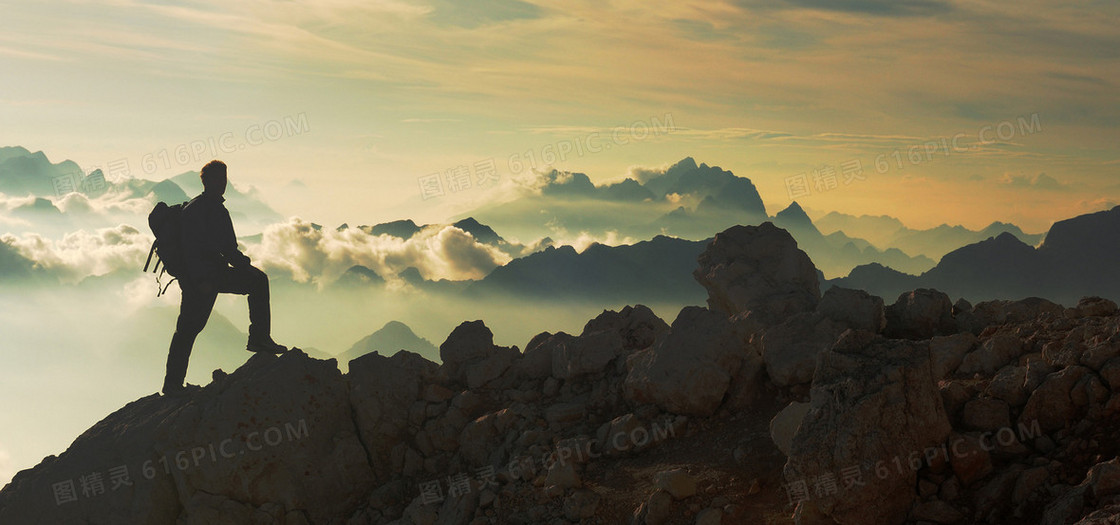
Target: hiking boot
x,y
176,391
267,346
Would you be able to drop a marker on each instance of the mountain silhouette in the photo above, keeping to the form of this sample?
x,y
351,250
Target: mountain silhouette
x,y
888,232
390,338
358,276
647,271
403,229
25,173
1078,259
169,192
481,232
837,253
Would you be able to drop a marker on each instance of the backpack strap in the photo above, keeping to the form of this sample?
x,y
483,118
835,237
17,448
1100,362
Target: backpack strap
x,y
160,287
150,253
166,286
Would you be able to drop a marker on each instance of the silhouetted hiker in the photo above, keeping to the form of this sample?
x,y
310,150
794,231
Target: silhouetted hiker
x,y
214,265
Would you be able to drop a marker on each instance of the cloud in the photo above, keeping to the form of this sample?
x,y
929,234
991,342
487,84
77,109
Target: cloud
x,y
113,203
482,12
1041,181
877,7
1095,205
583,239
84,253
307,253
555,182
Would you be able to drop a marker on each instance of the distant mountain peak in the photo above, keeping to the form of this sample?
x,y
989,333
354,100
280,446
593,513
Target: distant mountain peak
x,y
359,275
794,216
403,228
687,163
795,209
481,232
390,338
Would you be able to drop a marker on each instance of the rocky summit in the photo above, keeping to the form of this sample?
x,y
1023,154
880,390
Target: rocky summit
x,y
773,404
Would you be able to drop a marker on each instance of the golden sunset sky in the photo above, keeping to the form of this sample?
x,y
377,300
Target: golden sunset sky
x,y
384,92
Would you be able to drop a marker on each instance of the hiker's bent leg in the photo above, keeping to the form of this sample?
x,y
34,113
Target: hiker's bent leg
x,y
253,282
194,311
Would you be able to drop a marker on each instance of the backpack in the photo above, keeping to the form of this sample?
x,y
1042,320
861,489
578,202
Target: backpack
x,y
166,223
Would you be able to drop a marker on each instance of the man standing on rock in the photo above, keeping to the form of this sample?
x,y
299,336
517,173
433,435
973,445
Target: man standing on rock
x,y
214,265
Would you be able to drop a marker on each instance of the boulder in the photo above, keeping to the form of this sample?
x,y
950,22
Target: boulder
x,y
562,474
986,414
470,341
1009,385
581,505
1110,373
855,309
947,353
970,459
689,370
785,424
1030,480
995,313
709,516
677,482
478,439
655,510
1093,307
608,336
1052,404
536,362
637,326
758,269
471,358
1101,482
872,400
790,349
383,390
920,314
992,355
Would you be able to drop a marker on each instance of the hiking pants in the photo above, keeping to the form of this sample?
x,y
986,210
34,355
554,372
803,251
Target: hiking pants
x,y
198,302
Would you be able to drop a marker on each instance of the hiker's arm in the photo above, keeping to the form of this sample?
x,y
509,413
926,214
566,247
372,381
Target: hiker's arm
x,y
227,241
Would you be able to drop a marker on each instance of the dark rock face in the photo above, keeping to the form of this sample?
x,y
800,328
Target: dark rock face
x,y
871,399
690,370
790,349
758,269
920,314
278,431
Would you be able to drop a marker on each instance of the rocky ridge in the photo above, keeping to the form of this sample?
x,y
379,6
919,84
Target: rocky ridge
x,y
774,404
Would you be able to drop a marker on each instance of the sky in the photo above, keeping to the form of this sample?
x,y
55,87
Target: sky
x,y
338,110
366,111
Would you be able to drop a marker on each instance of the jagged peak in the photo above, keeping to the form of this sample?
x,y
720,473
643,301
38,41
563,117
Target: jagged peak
x,y
687,163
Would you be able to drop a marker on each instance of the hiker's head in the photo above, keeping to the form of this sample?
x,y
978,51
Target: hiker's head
x,y
213,177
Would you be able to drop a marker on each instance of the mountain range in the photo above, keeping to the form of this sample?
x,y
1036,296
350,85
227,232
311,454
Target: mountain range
x,y
26,173
677,208
1078,258
886,231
